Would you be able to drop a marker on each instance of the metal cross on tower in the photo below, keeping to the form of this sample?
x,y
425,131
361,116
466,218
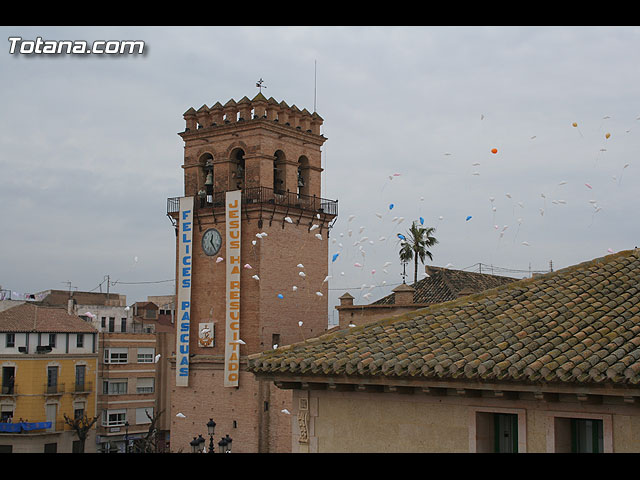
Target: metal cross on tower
x,y
259,85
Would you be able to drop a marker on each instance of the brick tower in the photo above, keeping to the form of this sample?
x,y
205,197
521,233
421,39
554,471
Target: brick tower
x,y
252,257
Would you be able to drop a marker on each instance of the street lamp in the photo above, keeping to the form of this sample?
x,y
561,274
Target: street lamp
x,y
211,426
194,445
126,437
224,445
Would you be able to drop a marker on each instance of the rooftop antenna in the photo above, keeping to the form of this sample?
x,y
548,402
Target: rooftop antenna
x,y
259,85
314,84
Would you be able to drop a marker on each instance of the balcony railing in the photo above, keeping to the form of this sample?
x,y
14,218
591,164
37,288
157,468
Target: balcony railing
x,y
9,389
57,389
266,196
82,387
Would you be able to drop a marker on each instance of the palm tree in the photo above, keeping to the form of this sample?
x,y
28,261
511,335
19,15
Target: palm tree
x,y
414,246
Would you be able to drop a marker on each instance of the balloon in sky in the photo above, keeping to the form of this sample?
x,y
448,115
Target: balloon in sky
x,y
401,236
247,266
391,206
421,221
574,124
494,150
335,255
219,259
587,185
469,218
607,135
280,295
256,277
313,227
288,219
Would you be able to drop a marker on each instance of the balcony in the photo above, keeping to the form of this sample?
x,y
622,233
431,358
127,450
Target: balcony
x,y
263,196
82,387
9,390
57,389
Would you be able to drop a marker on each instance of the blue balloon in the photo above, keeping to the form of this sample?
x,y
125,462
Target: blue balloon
x,y
391,206
468,218
280,295
421,221
334,257
401,236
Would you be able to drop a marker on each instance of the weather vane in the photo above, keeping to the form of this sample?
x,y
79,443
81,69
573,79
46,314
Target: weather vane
x,y
259,85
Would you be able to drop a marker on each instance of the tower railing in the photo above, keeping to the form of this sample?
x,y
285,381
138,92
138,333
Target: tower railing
x,y
263,196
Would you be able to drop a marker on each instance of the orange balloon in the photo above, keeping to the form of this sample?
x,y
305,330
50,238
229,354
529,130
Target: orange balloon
x,y
494,150
607,135
574,124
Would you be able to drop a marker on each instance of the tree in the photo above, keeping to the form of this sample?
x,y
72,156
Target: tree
x,y
149,443
81,424
415,244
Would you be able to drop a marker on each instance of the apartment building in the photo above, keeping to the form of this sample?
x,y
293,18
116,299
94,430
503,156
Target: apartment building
x,y
49,365
132,350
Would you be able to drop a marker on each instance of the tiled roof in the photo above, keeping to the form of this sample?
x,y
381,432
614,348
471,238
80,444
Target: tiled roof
x,y
27,317
443,285
577,325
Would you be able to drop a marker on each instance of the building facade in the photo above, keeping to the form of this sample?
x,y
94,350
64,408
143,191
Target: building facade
x,y
266,260
131,387
49,368
540,365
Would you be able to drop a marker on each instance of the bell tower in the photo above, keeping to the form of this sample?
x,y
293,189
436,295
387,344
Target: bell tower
x,y
252,258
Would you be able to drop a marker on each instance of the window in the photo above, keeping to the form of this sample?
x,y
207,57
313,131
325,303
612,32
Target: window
x,y
586,436
114,418
141,415
10,340
50,447
79,340
116,355
112,324
145,385
145,355
505,433
52,377
103,322
80,376
497,431
52,340
114,387
123,325
579,433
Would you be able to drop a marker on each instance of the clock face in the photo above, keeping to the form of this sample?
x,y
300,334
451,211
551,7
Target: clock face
x,y
211,241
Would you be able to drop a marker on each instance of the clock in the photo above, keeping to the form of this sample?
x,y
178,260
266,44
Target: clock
x,y
211,241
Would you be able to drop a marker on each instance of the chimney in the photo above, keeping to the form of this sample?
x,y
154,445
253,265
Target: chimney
x,y
403,294
346,299
70,306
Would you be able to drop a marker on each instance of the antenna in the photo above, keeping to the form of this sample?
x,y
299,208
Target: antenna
x,y
314,84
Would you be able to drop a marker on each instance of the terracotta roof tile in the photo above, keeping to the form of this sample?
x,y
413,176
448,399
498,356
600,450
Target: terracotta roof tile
x,y
580,324
27,317
444,284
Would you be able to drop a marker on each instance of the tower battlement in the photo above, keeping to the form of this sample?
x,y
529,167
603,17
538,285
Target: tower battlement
x,y
258,108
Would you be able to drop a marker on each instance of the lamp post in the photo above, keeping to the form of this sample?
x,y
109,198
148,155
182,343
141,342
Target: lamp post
x,y
197,444
224,444
126,437
211,426
194,445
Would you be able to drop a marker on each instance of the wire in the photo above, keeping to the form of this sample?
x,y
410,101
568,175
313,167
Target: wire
x,y
139,283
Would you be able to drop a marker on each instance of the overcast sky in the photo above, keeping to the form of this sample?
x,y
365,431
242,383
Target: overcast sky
x,y
89,150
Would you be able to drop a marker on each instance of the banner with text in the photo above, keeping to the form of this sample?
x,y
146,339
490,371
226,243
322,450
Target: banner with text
x,y
234,267
183,305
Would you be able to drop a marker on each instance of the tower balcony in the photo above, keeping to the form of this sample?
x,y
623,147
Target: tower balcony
x,y
264,199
